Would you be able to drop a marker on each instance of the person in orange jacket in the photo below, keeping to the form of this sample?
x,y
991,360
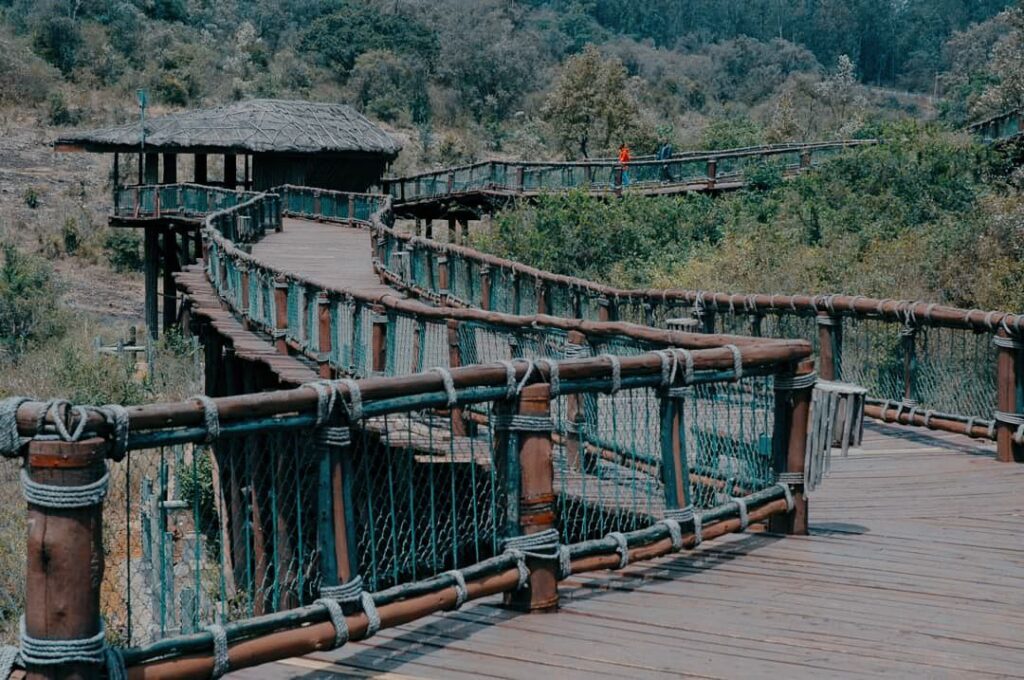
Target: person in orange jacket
x,y
624,159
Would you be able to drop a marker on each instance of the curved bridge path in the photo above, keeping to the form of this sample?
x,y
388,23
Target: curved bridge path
x,y
914,568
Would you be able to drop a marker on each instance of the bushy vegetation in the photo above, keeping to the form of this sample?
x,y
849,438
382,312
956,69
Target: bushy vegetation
x,y
776,70
926,214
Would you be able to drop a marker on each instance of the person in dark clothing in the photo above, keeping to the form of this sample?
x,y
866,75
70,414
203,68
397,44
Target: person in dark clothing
x,y
665,154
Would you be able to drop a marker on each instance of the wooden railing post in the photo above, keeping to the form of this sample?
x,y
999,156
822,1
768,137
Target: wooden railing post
x,y
318,214
712,172
323,317
336,515
1009,398
351,209
524,432
379,341
64,549
908,337
458,420
429,231
451,230
542,296
793,392
243,275
674,467
830,346
605,309
485,287
520,175
442,275
281,314
805,159
575,415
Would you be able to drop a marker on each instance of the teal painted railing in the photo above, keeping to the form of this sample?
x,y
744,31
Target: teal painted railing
x,y
706,169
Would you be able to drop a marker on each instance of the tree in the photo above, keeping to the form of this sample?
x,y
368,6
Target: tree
x,y
591,101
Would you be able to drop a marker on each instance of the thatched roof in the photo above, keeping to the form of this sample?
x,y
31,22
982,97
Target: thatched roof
x,y
256,125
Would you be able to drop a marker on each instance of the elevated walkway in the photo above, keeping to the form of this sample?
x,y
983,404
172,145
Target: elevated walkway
x,y
914,568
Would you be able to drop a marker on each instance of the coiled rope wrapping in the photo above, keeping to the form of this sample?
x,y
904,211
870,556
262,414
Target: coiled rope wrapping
x,y
10,442
461,591
355,405
543,545
325,395
1007,342
43,652
352,591
622,549
790,504
521,423
64,497
737,362
553,381
221,662
52,409
117,416
564,562
211,417
741,505
675,532
337,617
616,372
1007,418
449,384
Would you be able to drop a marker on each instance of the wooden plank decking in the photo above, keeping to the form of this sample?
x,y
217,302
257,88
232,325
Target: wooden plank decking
x,y
915,568
330,254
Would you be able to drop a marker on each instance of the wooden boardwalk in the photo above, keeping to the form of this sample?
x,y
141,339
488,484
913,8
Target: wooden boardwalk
x,y
330,254
915,568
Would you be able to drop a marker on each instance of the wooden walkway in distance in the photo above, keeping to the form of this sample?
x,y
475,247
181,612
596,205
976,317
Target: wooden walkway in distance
x,y
915,568
331,254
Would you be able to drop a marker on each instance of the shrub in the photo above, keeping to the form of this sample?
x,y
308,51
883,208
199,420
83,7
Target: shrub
x,y
31,197
57,40
124,250
30,310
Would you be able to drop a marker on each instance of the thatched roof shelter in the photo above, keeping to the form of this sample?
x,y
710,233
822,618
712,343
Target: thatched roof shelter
x,y
315,144
253,126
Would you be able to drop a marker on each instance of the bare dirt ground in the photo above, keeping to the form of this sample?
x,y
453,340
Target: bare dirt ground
x,y
72,187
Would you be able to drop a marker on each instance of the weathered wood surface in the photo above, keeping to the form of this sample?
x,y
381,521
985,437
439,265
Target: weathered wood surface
x,y
330,254
914,568
206,305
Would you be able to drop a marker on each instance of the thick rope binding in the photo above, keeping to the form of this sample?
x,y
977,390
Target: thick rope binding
x,y
521,423
741,506
211,417
449,384
52,409
221,662
1007,418
553,381
675,533
352,592
784,383
337,617
790,503
737,362
355,405
64,497
117,416
9,657
461,591
10,441
46,652
616,372
622,547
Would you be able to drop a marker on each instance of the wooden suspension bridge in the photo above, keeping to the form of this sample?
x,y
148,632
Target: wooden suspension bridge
x,y
406,444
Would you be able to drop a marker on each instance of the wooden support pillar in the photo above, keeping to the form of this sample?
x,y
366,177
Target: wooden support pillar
x,y
520,177
200,174
351,208
789,443
323,316
419,226
830,346
429,233
151,262
247,176
170,257
707,321
230,171
464,225
64,552
805,159
606,309
485,287
170,168
674,466
531,485
712,172
451,230
1009,397
117,183
281,314
455,361
151,173
379,341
